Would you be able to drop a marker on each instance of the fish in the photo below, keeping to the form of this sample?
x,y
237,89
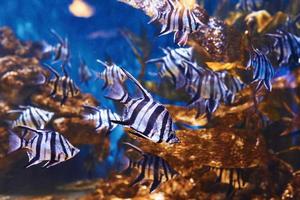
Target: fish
x,y
150,167
32,117
233,84
207,90
250,5
173,66
113,78
101,118
286,47
46,146
62,52
84,72
233,176
147,118
292,24
204,106
263,69
62,85
180,19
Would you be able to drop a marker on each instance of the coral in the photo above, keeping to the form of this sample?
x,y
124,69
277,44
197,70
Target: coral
x,y
20,84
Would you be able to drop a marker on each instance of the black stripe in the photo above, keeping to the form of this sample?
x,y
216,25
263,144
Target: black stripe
x,y
53,146
136,111
152,119
37,149
61,139
163,127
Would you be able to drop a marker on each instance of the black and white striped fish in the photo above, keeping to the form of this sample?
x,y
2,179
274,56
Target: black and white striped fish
x,y
204,106
173,66
114,78
263,71
179,19
292,24
46,146
62,86
32,117
250,5
84,72
233,84
233,176
150,167
62,52
146,117
286,47
207,89
101,118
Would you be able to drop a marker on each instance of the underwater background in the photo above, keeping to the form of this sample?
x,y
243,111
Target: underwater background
x,y
95,30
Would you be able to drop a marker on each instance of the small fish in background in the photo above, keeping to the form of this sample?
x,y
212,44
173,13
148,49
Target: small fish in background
x,y
62,52
32,117
62,86
46,146
292,25
207,90
150,167
102,34
233,84
101,118
181,19
173,66
147,118
234,177
141,47
84,72
286,47
113,78
263,71
250,5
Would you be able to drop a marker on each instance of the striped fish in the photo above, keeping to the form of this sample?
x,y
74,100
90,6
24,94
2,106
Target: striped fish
x,y
250,5
207,90
46,146
263,69
286,47
204,106
233,84
62,86
173,66
179,19
292,24
114,78
84,72
150,167
61,51
101,118
147,118
32,117
234,177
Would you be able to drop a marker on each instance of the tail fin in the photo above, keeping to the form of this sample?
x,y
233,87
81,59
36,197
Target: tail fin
x,y
14,142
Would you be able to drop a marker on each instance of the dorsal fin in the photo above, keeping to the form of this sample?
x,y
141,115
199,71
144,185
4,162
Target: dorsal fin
x,y
146,94
103,63
51,70
61,41
134,148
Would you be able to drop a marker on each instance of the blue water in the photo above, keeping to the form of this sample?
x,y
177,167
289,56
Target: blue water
x,y
32,19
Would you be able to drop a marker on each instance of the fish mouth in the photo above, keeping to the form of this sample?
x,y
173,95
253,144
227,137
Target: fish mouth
x,y
174,140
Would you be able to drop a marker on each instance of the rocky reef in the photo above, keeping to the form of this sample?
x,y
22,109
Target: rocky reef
x,y
238,137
